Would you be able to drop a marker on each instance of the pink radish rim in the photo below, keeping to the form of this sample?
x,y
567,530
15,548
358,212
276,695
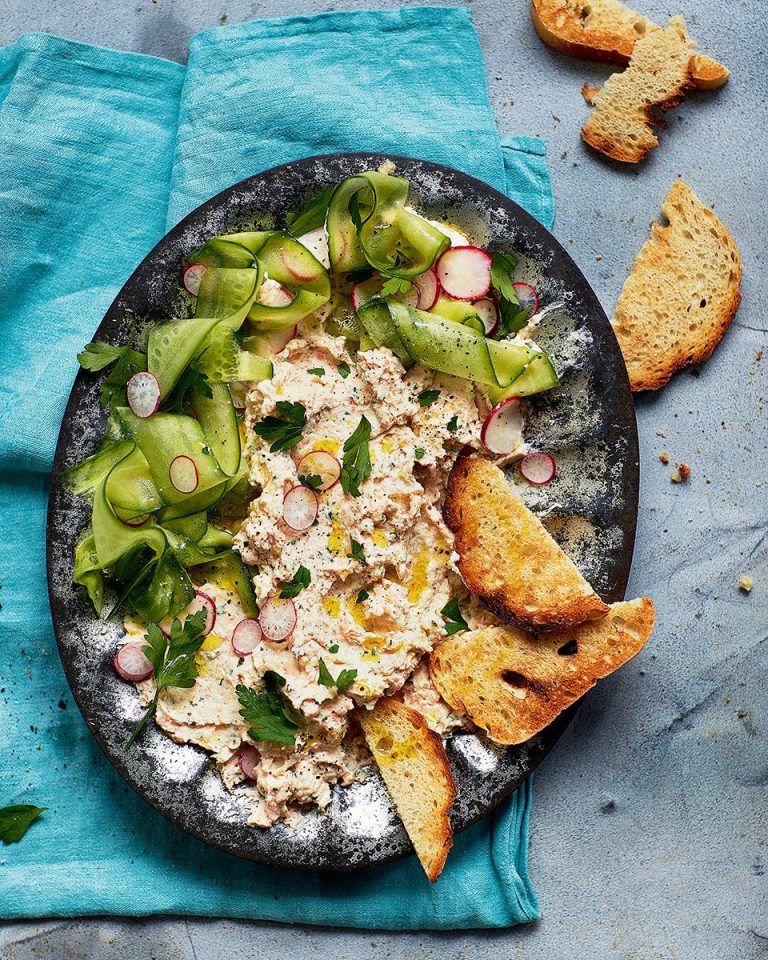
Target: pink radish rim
x,y
491,419
134,402
477,295
537,456
135,521
280,634
192,276
531,290
423,305
305,493
246,629
248,759
179,460
210,620
324,454
132,676
495,328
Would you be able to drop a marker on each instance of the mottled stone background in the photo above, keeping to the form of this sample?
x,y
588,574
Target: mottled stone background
x,y
651,818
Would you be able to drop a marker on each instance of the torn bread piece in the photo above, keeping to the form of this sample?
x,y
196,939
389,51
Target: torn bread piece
x,y
507,558
415,768
607,31
657,78
513,684
682,293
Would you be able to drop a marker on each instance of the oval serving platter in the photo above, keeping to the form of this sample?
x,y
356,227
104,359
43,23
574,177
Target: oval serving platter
x,y
590,507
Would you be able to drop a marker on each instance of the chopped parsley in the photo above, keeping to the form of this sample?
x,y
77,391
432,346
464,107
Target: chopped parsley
x,y
173,659
284,431
191,380
395,285
453,424
311,215
419,452
311,480
97,355
301,579
353,207
428,396
16,820
454,621
334,648
343,370
317,371
342,683
362,596
266,712
356,463
357,552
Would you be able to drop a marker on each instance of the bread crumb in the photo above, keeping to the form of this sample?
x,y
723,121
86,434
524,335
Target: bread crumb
x,y
660,433
685,470
745,582
589,91
664,456
599,257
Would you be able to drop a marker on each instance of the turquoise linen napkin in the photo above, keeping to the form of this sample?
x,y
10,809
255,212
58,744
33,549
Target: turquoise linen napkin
x,y
99,152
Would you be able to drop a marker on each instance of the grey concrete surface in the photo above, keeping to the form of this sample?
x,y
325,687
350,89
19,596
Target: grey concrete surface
x,y
651,819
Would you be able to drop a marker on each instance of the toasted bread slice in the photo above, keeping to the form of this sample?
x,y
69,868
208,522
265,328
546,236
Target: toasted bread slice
x,y
415,768
506,556
607,31
658,75
681,295
513,684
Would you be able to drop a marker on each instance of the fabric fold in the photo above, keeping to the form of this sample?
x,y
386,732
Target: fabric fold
x,y
99,152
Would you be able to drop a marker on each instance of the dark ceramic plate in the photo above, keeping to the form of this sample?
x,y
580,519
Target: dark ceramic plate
x,y
591,507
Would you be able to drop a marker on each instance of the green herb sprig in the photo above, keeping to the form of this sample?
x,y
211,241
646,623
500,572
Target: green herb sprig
x,y
284,430
356,462
266,712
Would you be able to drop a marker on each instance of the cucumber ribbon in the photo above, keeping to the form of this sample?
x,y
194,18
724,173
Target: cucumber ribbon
x,y
455,348
369,226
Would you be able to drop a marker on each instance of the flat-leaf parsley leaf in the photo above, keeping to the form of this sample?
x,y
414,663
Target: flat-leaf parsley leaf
x,y
173,659
266,712
342,683
454,621
395,285
284,430
356,464
16,820
357,552
301,579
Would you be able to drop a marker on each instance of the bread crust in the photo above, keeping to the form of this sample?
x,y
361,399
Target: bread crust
x,y
507,558
433,837
559,25
513,684
669,257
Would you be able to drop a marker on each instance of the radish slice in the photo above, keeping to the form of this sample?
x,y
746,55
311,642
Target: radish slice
x,y
246,637
502,429
272,342
135,521
143,394
489,315
538,468
300,508
465,272
131,663
249,760
320,463
200,601
316,241
183,474
271,294
529,299
294,266
278,618
427,287
193,277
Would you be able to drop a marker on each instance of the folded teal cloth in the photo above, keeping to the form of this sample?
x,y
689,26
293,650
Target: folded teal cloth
x,y
100,151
